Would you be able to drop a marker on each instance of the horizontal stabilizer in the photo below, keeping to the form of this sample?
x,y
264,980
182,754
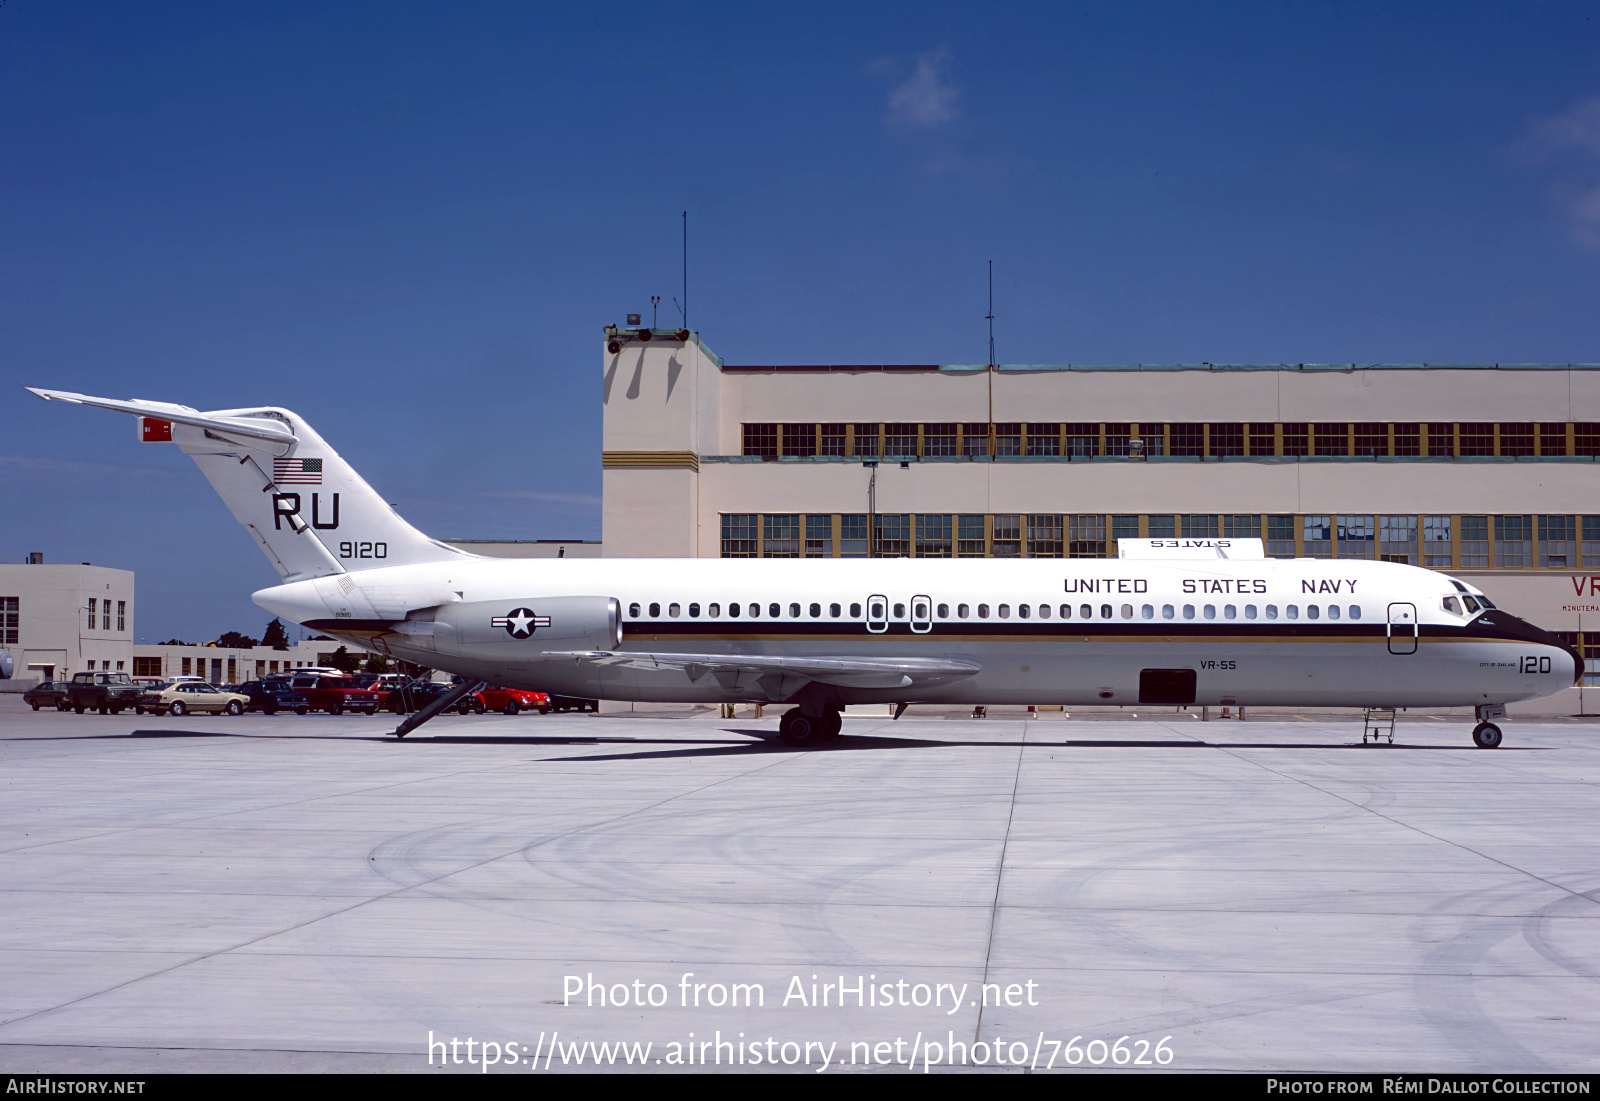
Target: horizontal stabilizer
x,y
264,433
844,671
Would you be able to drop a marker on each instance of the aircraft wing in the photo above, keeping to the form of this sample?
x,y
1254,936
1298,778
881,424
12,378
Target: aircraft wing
x,y
780,676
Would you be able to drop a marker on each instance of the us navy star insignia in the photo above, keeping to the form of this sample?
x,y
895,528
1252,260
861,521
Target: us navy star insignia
x,y
520,623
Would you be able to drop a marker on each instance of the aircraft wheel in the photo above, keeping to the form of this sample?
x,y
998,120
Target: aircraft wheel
x,y
177,708
801,730
1486,736
234,708
834,723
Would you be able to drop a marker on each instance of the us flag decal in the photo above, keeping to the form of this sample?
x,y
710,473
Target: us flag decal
x,y
303,472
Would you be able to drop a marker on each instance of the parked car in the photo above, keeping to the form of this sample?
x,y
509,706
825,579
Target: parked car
x,y
573,703
271,696
102,692
513,700
333,693
48,693
186,696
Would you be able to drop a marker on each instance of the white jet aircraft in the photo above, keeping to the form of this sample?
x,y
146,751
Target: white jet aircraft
x,y
1169,622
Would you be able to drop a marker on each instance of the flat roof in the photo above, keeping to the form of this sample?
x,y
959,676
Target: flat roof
x,y
962,368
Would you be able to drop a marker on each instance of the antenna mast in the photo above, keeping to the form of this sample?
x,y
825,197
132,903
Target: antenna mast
x,y
991,315
685,269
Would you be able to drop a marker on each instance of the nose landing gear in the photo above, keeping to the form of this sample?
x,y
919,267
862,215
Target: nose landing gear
x,y
1486,735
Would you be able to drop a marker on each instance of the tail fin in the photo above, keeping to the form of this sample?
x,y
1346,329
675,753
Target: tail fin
x,y
310,512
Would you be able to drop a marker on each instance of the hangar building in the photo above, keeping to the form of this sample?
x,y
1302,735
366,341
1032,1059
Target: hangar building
x,y
1488,470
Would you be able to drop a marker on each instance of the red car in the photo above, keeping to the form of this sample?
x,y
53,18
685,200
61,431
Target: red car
x,y
334,693
512,700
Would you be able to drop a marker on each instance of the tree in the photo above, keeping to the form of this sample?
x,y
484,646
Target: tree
x,y
176,642
233,640
275,636
411,668
344,661
377,663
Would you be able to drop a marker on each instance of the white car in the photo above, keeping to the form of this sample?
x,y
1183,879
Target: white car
x,y
182,697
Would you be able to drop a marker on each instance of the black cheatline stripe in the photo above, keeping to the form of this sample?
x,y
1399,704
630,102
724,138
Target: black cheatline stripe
x,y
1223,632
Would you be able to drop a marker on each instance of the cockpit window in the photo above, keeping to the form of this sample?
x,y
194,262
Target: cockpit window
x,y
1451,605
1485,601
1472,605
1460,588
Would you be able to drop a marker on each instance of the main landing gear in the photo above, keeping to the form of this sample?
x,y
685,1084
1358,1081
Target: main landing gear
x,y
804,731
1486,735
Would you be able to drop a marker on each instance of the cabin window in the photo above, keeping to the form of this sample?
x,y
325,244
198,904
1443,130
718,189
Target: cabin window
x,y
1355,611
774,611
794,611
1188,611
944,611
983,611
1211,611
633,611
962,611
1146,611
1066,611
877,611
855,611
755,611
834,610
694,611
1105,611
816,611
1005,611
1230,612
655,611
1023,611
1085,611
673,611
1312,611
899,611
1166,611
1249,611
733,611
1127,611
1044,611
1451,606
713,610
1333,611
1291,611
1272,611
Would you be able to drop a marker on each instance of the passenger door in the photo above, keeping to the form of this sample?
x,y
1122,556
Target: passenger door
x,y
1402,628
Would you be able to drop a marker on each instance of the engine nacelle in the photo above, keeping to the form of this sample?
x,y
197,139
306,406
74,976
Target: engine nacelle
x,y
502,630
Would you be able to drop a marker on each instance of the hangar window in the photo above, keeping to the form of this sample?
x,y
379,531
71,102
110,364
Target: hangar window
x,y
1186,439
816,611
655,611
899,440
1407,439
962,611
694,611
633,611
983,611
674,611
834,610
831,441
1441,440
939,439
1331,439
1004,611
1227,439
1166,611
761,439
799,439
1295,438
1477,439
1085,611
774,611
855,611
1146,611
1008,439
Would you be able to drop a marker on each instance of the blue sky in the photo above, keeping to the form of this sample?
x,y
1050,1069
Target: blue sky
x,y
409,221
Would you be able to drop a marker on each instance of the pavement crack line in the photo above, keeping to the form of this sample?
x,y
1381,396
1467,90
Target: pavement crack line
x,y
999,876
399,890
